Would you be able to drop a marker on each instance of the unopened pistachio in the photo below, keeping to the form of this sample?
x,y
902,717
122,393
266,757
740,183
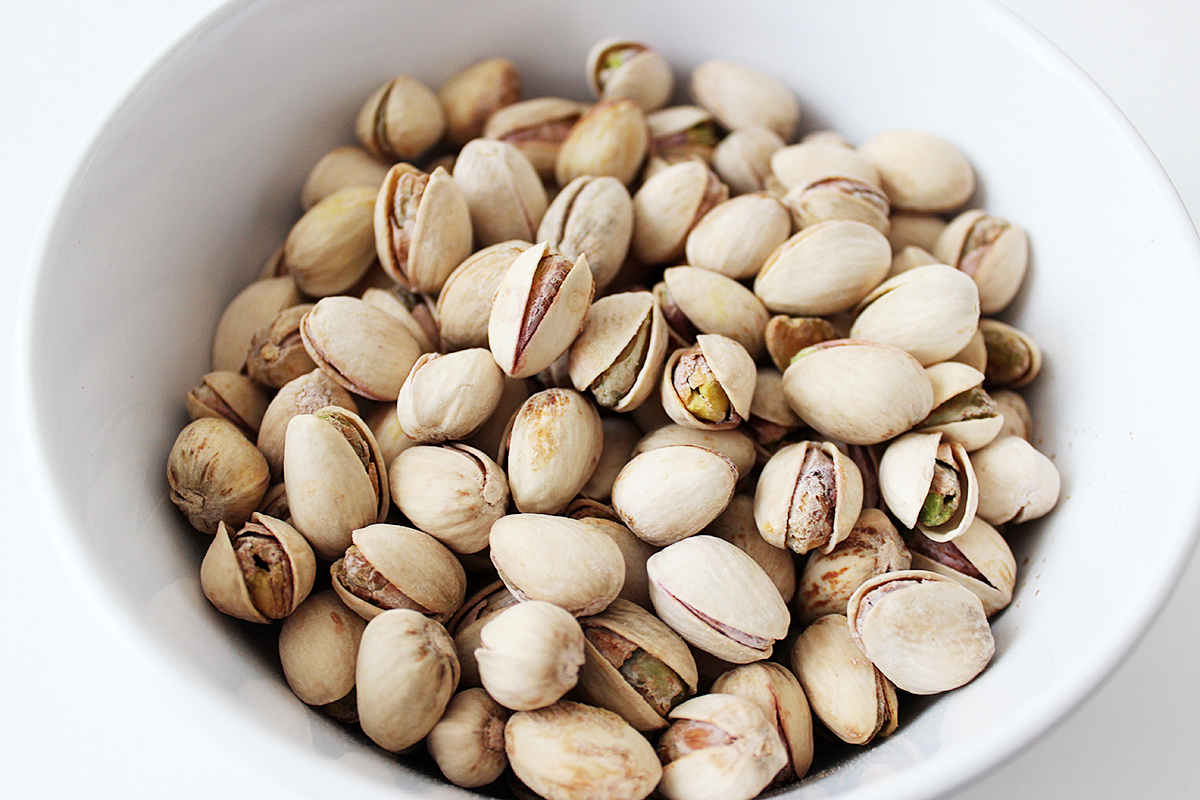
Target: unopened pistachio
x,y
216,474
529,655
468,741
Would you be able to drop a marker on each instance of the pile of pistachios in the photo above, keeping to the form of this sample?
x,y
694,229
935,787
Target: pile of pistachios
x,y
590,446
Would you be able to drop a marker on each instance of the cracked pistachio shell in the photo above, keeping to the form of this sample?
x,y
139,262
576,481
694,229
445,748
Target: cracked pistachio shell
x,y
930,312
620,437
991,250
735,238
471,95
468,741
715,303
1015,410
216,474
619,353
845,691
318,648
717,598
335,478
252,308
401,120
624,68
925,632
304,395
858,392
778,694
503,191
906,480
838,198
743,158
399,567
269,581
529,655
739,96
824,269
979,558
810,161
571,751
552,448
725,368
635,665
1014,359
229,396
592,215
559,560
333,245
736,525
732,443
669,205
341,168
609,138
536,127
449,396
681,133
920,171
669,493
465,302
873,547
962,410
366,350
786,336
719,747
452,492
422,227
406,673
540,306
808,497
277,355
1017,483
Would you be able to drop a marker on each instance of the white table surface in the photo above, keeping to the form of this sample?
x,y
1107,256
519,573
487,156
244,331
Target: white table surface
x,y
84,717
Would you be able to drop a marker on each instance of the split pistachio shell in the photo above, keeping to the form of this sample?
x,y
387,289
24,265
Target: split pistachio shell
x,y
624,68
229,396
618,355
401,120
216,474
1017,482
922,630
786,336
530,655
736,525
838,198
824,269
468,741
921,171
850,696
331,247
592,215
422,227
858,392
570,751
979,558
366,350
259,573
552,449
536,127
252,308
743,158
873,547
710,302
406,673
452,492
318,649
277,355
717,598
541,305
739,96
502,189
681,133
669,205
808,497
733,443
448,397
1014,359
992,250
928,482
559,560
610,138
709,385
962,410
719,747
735,237
778,694
669,493
465,302
1013,408
930,312
806,163
474,93
307,394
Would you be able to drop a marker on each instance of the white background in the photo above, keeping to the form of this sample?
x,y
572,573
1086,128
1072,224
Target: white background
x,y
84,717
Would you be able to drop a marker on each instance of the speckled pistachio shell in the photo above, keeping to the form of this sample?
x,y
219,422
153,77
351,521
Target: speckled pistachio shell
x,y
447,397
814,160
838,198
559,560
736,526
802,507
537,128
465,302
979,558
738,96
468,741
930,312
824,269
845,691
669,493
873,547
502,189
318,648
607,348
717,598
1015,410
973,427
858,392
1014,359
251,309
552,449
401,120
453,492
620,437
215,474
734,371
366,350
304,395
778,694
474,93
920,171
224,584
592,215
715,303
340,168
669,205
624,68
906,472
924,631
1017,482
610,138
529,655
992,250
407,671
422,227
733,443
743,158
333,245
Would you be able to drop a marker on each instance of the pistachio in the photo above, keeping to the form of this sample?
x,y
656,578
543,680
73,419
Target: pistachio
x,y
304,395
465,302
732,443
667,207
916,229
318,649
979,558
333,245
824,269
537,128
778,694
471,95
1015,413
416,315
277,355
929,484
710,384
735,238
739,96
623,68
252,308
736,525
962,410
669,493
696,301
422,227
908,258
552,449
808,497
468,741
1014,359
229,396
401,120
502,189
261,572
990,249
920,171
838,198
592,215
1017,482
743,158
452,492
530,655
338,169
448,397
216,474
786,336
366,350
636,587
620,351
610,138
682,133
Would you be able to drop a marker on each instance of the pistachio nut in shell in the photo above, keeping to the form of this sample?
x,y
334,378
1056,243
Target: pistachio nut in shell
x,y
559,560
736,526
1018,421
858,392
928,483
681,133
1014,358
992,250
962,410
703,301
670,493
406,673
536,127
610,138
1017,482
838,198
810,161
277,355
743,158
719,747
465,301
529,655
368,351
739,96
401,120
786,336
252,307
669,205
850,696
505,196
730,442
717,598
318,649
333,245
979,558
709,385
260,572
468,741
452,491
924,631
824,269
474,93
778,694
635,552
307,394
908,258
737,236
230,396
618,354
571,751
624,68
553,447
216,474
341,167
919,170
422,227
808,497
592,215
449,396
467,624
915,229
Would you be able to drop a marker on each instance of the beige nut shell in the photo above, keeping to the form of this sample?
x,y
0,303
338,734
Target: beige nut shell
x,y
778,694
529,655
733,369
453,492
906,472
1017,482
734,443
736,525
221,577
365,349
592,215
551,450
318,648
738,96
949,379
438,231
826,268
775,498
986,550
468,741
449,396
735,238
919,170
613,322
644,76
717,304
669,493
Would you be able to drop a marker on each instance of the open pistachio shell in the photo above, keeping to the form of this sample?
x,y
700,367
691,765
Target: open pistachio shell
x,y
824,269
929,484
474,93
1013,357
811,161
465,301
992,250
736,526
1017,482
229,396
808,497
669,493
422,227
714,303
709,385
468,741
731,442
618,355
1018,421
592,215
552,449
962,410
318,648
536,127
624,68
920,170
838,198
778,694
681,133
979,558
529,655
453,492
259,573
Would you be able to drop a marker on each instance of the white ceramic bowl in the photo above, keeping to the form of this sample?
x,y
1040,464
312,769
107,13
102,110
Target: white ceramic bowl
x,y
195,179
